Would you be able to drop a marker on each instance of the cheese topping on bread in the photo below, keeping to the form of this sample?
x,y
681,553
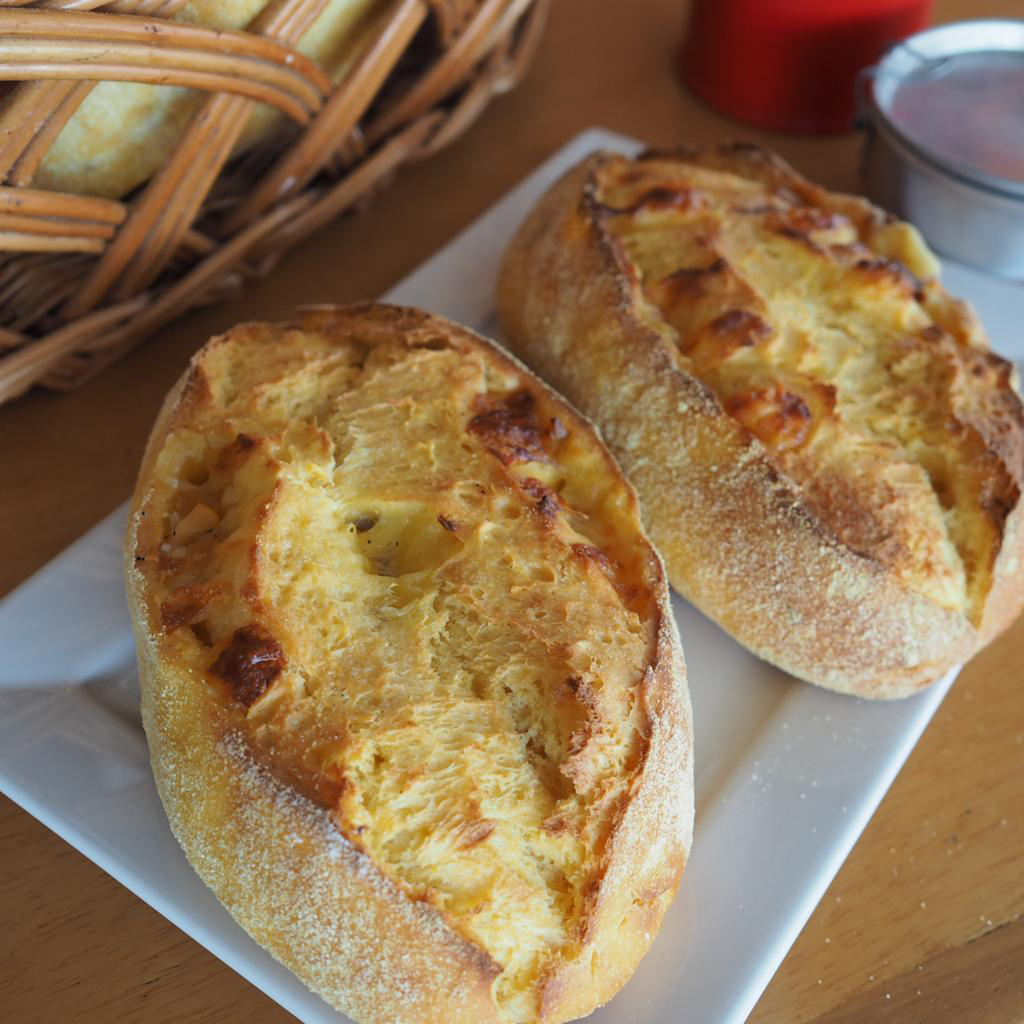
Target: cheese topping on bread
x,y
829,457
822,332
404,574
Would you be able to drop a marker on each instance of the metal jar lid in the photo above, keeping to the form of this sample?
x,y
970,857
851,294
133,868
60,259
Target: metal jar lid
x,y
945,115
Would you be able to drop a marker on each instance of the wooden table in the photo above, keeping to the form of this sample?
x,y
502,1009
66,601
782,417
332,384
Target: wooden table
x,y
922,924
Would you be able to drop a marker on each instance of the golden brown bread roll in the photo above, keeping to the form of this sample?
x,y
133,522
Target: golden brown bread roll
x,y
124,131
414,695
827,454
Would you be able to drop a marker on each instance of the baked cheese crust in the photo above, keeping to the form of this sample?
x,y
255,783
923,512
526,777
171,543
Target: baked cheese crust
x,y
416,704
828,454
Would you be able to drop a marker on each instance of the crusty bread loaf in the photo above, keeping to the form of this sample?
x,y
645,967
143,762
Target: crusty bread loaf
x,y
827,454
124,131
414,695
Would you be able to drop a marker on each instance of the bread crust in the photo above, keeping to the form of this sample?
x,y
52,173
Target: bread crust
x,y
310,894
738,536
124,132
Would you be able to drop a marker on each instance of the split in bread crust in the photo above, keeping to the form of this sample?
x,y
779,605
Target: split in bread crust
x,y
415,700
780,363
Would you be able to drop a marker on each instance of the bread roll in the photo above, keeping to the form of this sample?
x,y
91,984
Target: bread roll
x,y
124,131
827,454
414,695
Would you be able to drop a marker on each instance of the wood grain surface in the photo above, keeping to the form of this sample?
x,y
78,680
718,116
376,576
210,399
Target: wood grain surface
x,y
922,925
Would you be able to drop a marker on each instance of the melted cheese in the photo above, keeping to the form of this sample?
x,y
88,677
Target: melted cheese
x,y
833,355
412,587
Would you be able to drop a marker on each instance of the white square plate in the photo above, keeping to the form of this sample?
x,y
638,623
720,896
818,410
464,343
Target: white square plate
x,y
787,774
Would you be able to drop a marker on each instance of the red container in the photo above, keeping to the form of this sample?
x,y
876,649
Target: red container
x,y
790,65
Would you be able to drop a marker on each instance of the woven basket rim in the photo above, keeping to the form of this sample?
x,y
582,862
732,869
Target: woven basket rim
x,y
84,278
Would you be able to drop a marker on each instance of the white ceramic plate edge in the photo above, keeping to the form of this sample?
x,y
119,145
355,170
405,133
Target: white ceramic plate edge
x,y
775,800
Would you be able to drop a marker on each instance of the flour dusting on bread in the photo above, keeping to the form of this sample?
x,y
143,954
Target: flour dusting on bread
x,y
829,456
399,595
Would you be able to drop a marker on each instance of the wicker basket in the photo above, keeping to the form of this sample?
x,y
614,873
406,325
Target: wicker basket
x,y
83,279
